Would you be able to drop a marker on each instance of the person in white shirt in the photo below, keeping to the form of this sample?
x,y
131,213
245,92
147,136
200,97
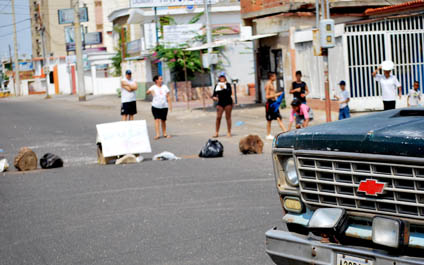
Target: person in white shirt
x,y
414,96
128,97
160,103
389,84
344,111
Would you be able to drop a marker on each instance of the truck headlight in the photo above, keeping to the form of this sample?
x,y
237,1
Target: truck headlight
x,y
291,173
389,232
328,221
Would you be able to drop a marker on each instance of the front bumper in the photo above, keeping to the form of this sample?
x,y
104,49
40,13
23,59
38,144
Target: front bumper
x,y
287,248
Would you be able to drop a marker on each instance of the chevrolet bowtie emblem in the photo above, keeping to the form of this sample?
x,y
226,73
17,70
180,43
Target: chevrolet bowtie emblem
x,y
371,187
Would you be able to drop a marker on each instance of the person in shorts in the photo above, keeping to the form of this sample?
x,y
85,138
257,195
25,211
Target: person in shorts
x,y
301,113
128,97
160,103
414,96
344,111
299,88
222,94
271,113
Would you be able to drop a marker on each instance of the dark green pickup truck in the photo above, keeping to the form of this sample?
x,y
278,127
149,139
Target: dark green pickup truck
x,y
352,191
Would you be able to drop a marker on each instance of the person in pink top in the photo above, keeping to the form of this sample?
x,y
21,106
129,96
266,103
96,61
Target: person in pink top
x,y
301,113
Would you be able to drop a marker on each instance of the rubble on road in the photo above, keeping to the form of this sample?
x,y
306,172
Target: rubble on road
x,y
25,160
166,156
251,144
126,159
4,165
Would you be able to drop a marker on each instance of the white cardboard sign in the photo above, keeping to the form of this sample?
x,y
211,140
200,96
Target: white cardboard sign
x,y
124,137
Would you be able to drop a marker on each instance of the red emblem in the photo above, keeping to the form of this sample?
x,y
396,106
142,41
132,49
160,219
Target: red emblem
x,y
371,187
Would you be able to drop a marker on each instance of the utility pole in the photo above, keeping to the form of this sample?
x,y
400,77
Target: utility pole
x,y
42,29
78,51
10,55
157,37
326,15
209,39
326,31
45,60
17,82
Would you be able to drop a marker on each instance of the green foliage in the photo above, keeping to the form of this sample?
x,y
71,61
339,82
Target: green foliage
x,y
117,59
196,18
175,57
167,20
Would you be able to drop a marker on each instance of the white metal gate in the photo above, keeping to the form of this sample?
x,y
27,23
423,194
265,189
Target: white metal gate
x,y
367,45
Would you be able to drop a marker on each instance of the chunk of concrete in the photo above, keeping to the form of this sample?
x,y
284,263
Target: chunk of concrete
x,y
126,159
26,160
251,144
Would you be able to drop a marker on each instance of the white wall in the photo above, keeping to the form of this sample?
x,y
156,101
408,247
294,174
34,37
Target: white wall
x,y
107,85
312,68
64,79
238,62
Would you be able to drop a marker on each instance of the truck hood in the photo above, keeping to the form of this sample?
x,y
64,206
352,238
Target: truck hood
x,y
396,132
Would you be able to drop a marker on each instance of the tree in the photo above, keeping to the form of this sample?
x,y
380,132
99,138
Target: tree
x,y
175,58
118,58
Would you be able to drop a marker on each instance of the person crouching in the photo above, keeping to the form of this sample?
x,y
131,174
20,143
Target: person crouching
x,y
302,113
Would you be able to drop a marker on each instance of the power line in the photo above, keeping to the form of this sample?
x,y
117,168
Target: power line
x,y
8,34
10,13
4,26
8,3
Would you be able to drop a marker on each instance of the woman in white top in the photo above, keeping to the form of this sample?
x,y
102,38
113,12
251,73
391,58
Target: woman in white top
x,y
160,103
389,84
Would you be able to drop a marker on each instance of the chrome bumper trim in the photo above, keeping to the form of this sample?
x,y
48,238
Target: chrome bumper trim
x,y
286,248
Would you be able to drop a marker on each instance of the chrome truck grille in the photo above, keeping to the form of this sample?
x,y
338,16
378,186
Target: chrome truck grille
x,y
333,182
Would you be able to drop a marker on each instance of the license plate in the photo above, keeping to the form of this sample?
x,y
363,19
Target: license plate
x,y
350,260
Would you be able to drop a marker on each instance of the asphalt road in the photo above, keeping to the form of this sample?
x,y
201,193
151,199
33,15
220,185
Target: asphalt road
x,y
190,211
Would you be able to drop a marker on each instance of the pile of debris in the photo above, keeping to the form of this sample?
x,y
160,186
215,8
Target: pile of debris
x,y
27,160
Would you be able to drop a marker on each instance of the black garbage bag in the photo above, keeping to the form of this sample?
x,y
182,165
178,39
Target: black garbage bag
x,y
213,148
51,161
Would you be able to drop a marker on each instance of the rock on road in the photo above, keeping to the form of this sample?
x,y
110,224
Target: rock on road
x,y
190,211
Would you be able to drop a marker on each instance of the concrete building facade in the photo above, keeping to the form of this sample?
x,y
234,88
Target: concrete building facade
x,y
46,12
288,46
236,58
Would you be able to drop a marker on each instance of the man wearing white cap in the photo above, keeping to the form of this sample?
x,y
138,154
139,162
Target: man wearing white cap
x,y
389,83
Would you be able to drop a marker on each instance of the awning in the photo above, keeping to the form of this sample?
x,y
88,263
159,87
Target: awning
x,y
136,16
218,43
261,36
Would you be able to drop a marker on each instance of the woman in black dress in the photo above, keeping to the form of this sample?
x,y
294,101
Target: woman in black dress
x,y
222,94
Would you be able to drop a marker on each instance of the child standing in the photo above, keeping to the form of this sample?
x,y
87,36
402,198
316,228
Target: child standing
x,y
414,96
160,103
344,111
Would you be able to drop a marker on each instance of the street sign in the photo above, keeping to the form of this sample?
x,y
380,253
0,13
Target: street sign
x,y
149,35
166,3
66,16
93,38
175,35
134,47
123,137
70,37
